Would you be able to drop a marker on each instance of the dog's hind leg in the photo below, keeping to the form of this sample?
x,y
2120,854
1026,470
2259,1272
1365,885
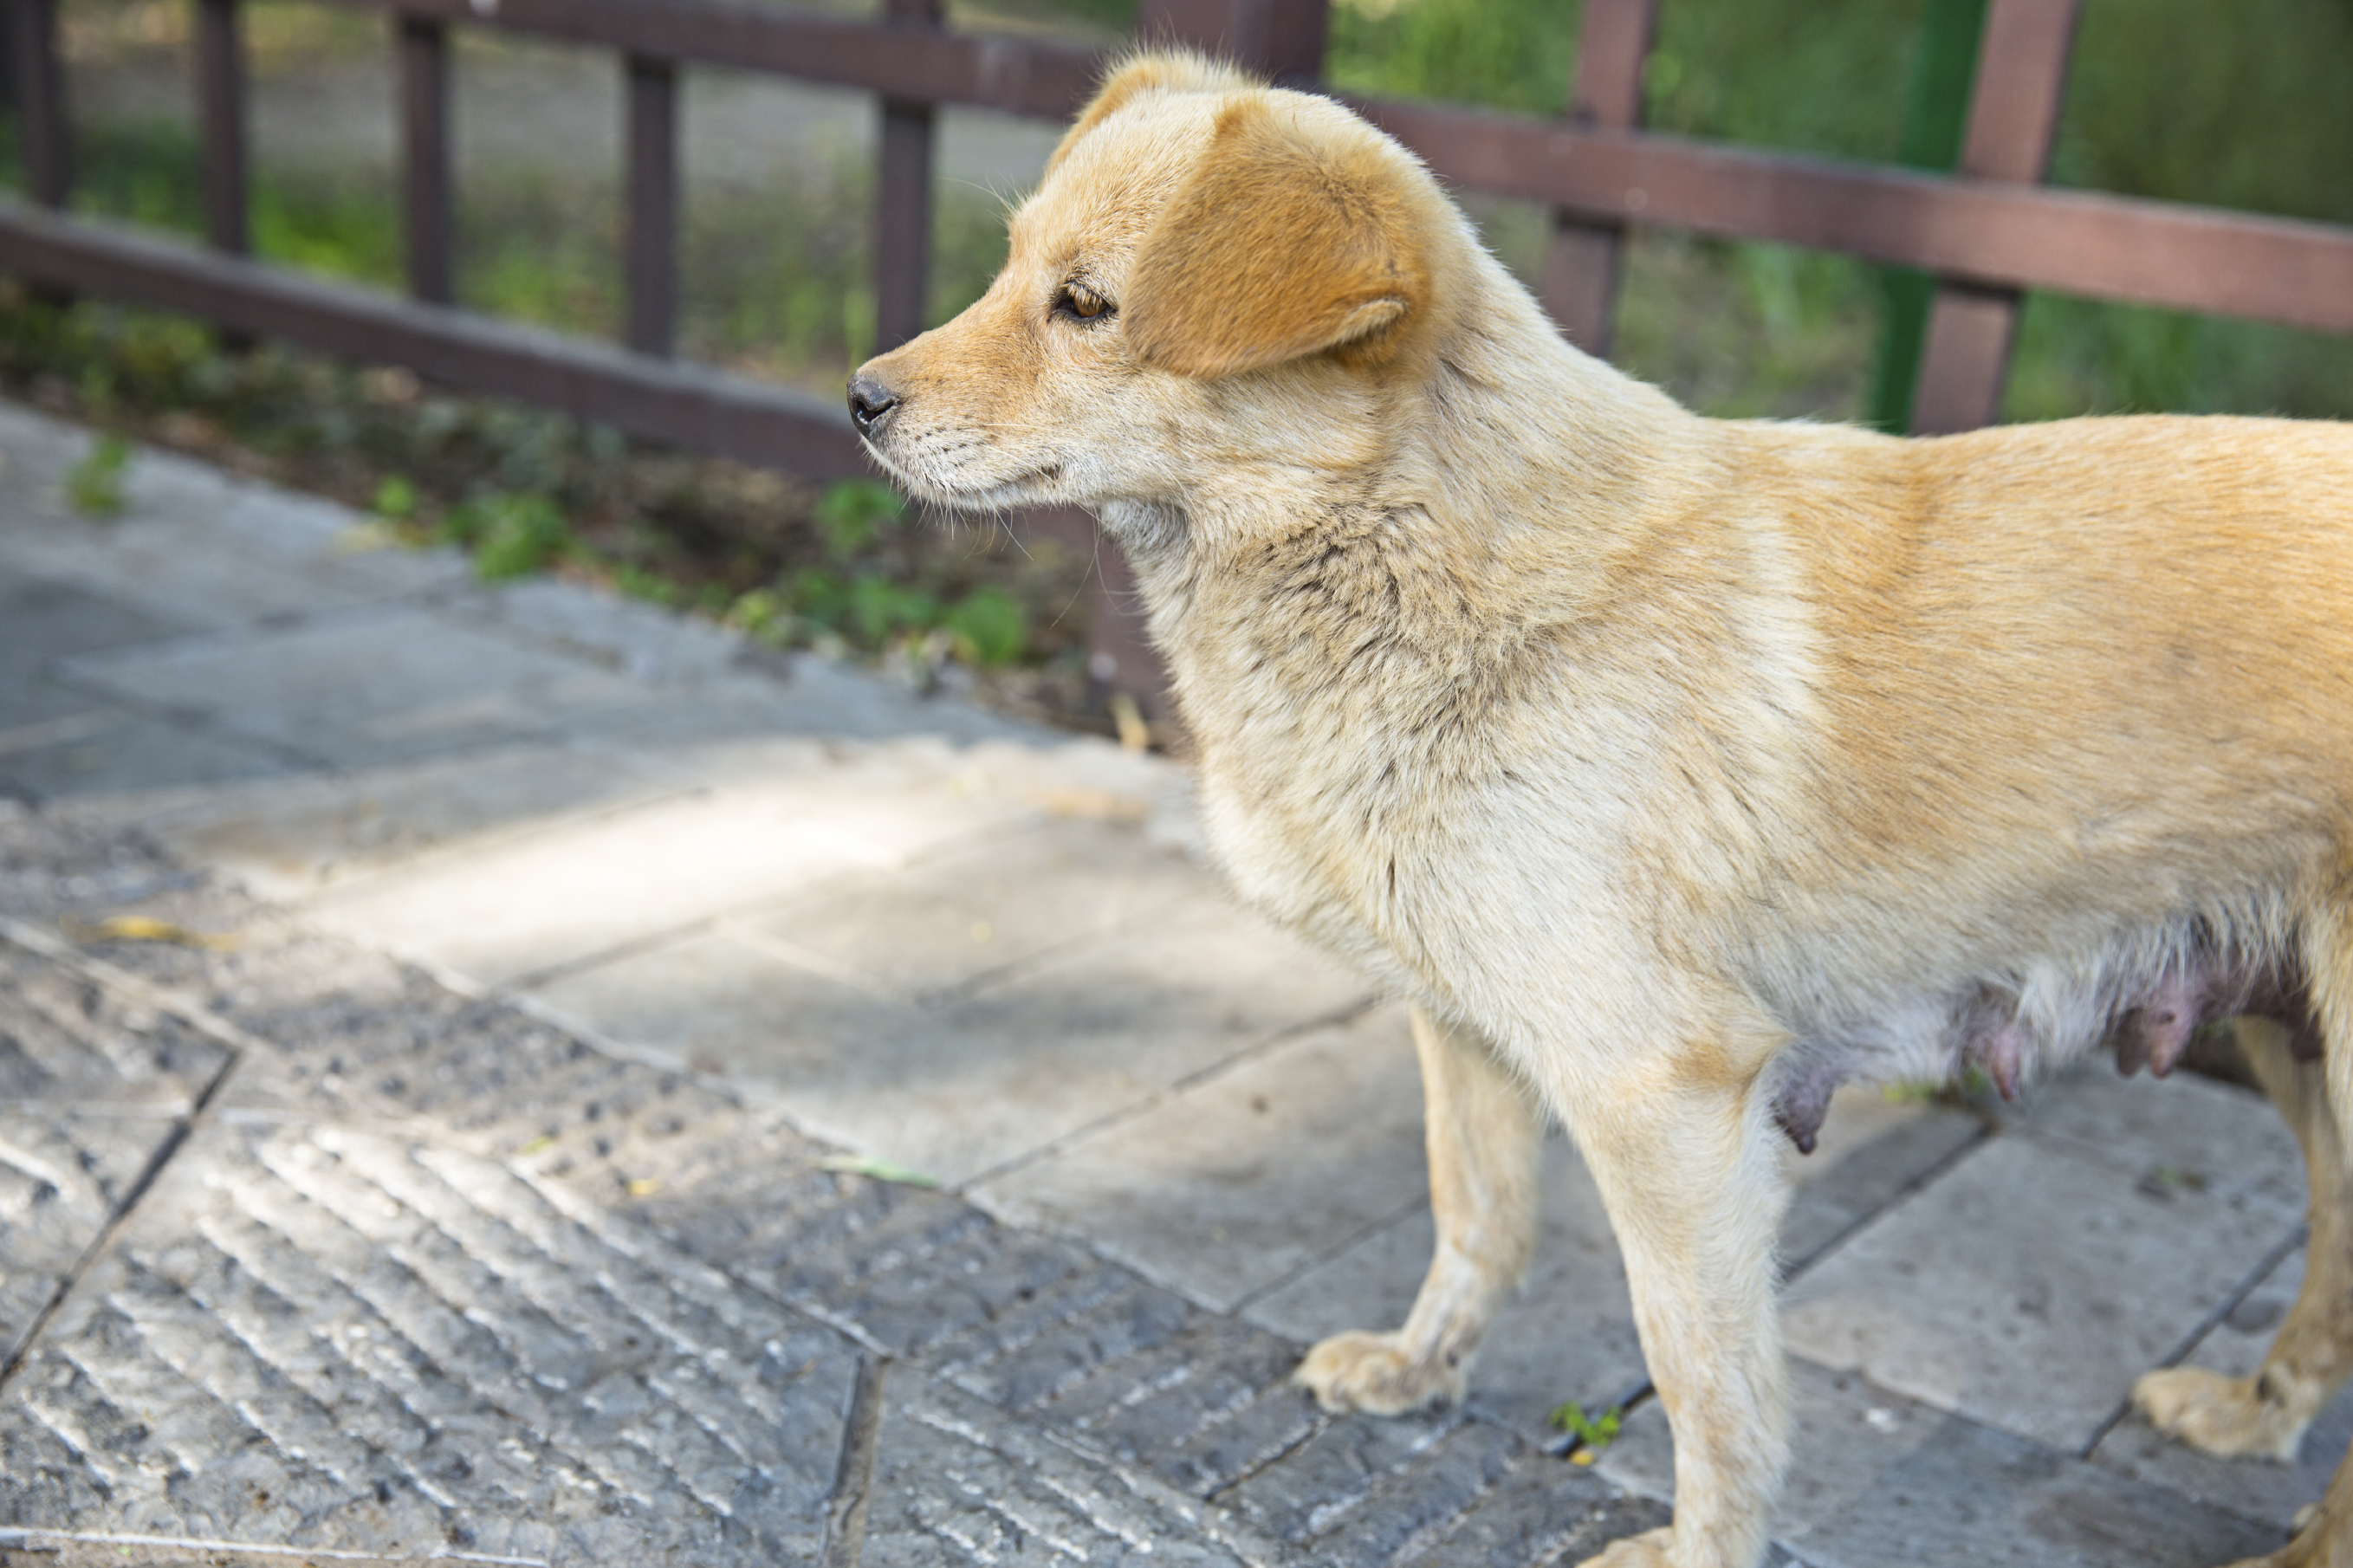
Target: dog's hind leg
x,y
1485,1136
2314,1352
2324,1532
2265,1414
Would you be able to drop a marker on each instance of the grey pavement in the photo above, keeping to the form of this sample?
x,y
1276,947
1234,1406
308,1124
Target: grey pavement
x,y
508,1075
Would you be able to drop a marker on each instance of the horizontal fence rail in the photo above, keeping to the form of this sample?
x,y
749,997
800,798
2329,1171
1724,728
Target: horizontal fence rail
x,y
683,406
2124,248
1013,76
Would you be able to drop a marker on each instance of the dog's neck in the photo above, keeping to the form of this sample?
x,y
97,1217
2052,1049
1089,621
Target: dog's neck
x,y
1512,471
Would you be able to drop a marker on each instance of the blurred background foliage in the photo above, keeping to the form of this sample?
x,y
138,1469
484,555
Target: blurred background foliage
x,y
2241,106
2238,106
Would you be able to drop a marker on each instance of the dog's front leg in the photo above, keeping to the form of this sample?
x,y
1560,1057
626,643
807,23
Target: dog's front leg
x,y
1485,1136
1685,1168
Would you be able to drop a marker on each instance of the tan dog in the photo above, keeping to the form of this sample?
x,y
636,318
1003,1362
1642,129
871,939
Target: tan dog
x,y
1677,769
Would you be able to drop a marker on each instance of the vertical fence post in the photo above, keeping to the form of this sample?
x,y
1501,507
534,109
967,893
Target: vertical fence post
x,y
652,259
426,186
11,75
45,139
221,113
2021,77
1580,284
902,200
1936,118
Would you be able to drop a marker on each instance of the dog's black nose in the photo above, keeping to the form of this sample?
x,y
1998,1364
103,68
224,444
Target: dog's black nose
x,y
870,403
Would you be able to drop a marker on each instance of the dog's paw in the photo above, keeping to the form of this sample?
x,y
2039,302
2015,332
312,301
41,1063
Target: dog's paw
x,y
1374,1373
1652,1549
2223,1415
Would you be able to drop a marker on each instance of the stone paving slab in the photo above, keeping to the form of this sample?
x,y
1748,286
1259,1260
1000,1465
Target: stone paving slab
x,y
970,917
1878,1479
434,1274
734,722
2266,1492
1540,1512
360,689
2036,1324
60,744
194,544
93,1090
65,1174
550,900
2180,1134
296,836
125,766
2030,1285
980,1082
1232,1185
566,891
1567,1334
1035,1328
43,619
322,1337
1872,1150
34,712
955,1484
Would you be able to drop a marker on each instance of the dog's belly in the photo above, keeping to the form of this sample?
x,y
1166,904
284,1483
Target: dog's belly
x,y
2146,993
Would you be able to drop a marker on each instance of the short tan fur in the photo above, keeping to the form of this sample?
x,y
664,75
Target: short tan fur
x,y
1676,769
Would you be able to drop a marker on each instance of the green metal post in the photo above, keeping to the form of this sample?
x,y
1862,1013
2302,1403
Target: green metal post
x,y
1934,124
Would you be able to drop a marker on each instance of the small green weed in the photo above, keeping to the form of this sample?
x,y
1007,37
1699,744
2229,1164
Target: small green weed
x,y
877,609
640,583
94,485
852,512
761,616
1593,1432
511,535
989,628
395,500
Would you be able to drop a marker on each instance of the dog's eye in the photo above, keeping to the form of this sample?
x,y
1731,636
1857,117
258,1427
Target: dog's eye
x,y
1078,300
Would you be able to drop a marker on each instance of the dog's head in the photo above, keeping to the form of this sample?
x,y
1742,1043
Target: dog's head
x,y
1214,281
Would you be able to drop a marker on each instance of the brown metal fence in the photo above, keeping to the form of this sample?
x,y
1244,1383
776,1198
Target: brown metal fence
x,y
1989,232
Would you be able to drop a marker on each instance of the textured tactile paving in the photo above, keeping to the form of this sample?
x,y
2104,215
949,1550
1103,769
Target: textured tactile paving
x,y
330,1338
431,1276
93,1089
66,1039
955,1483
64,1173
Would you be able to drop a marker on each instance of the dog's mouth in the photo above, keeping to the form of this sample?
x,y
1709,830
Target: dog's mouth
x,y
961,492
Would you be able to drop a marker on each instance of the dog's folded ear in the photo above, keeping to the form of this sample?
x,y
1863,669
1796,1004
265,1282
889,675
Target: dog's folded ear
x,y
1293,234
